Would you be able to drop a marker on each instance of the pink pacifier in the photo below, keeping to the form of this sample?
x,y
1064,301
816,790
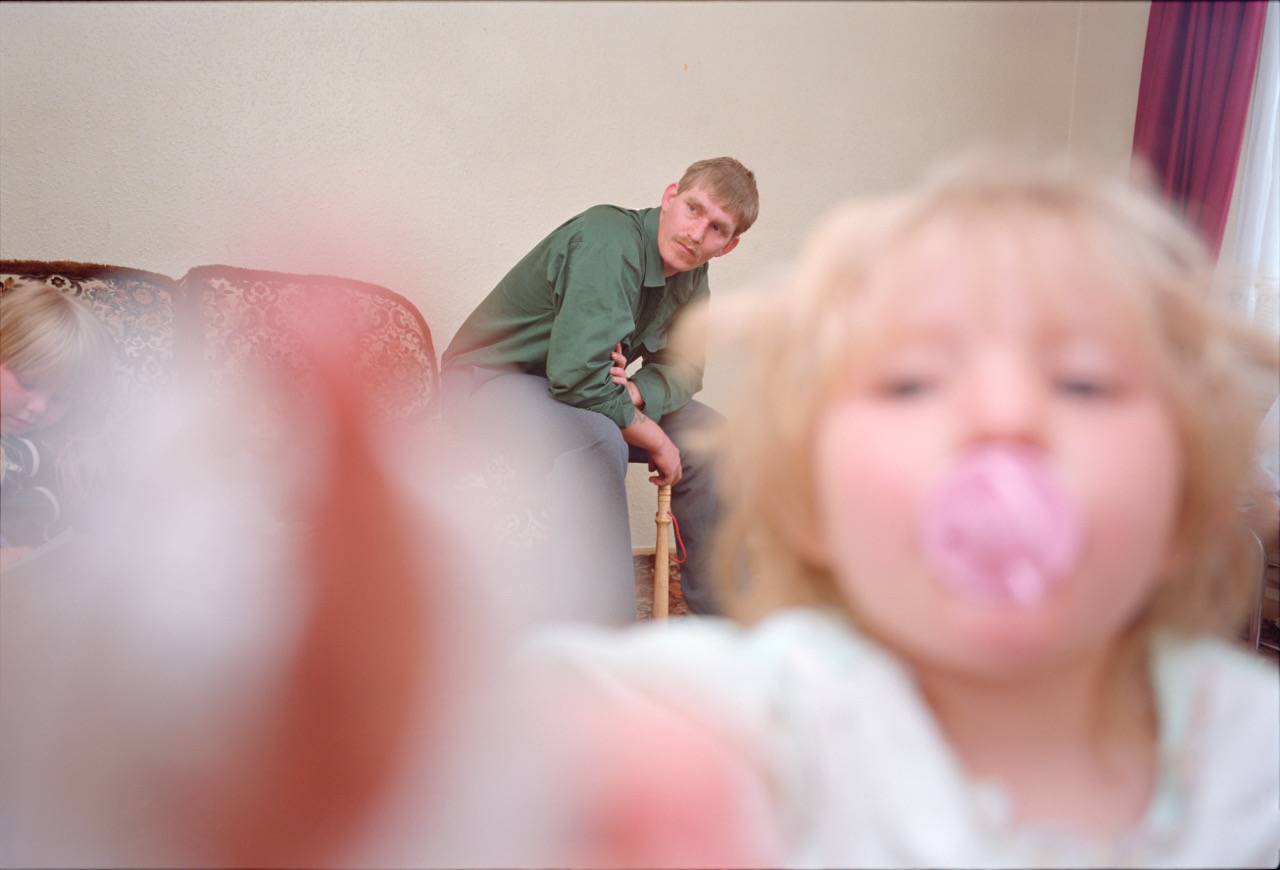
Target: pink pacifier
x,y
1000,527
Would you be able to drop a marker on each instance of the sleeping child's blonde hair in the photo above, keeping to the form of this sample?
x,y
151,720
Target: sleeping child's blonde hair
x,y
56,341
801,340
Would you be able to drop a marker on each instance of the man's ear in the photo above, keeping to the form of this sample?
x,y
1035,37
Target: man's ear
x,y
729,247
669,194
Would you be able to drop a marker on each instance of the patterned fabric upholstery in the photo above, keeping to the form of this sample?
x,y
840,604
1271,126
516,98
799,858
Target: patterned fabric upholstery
x,y
138,309
250,320
235,320
219,322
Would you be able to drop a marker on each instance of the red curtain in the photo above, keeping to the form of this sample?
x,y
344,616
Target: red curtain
x,y
1193,101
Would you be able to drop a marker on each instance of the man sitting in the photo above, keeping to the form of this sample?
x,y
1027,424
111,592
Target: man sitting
x,y
543,358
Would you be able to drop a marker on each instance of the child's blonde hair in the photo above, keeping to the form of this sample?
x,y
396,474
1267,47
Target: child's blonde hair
x,y
56,341
803,339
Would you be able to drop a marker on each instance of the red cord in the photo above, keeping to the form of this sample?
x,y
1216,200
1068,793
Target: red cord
x,y
684,554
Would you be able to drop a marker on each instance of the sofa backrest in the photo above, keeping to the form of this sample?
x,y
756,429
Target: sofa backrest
x,y
250,319
224,321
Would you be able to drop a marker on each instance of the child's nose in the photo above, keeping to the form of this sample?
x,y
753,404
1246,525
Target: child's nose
x,y
37,402
1006,400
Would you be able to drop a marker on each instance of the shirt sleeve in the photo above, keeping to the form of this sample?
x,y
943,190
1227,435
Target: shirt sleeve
x,y
670,376
594,276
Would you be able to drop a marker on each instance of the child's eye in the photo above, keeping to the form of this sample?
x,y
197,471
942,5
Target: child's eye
x,y
1086,368
905,388
1083,388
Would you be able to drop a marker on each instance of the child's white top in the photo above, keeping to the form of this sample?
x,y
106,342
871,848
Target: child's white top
x,y
854,772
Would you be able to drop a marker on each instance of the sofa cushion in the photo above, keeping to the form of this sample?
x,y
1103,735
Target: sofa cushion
x,y
137,308
250,319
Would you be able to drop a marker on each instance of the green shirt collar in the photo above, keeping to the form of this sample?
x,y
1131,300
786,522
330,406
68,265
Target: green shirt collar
x,y
653,270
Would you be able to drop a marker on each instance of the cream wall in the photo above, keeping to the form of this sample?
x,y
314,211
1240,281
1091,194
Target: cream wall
x,y
427,146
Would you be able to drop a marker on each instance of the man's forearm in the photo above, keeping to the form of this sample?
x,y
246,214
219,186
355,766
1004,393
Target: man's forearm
x,y
645,433
664,456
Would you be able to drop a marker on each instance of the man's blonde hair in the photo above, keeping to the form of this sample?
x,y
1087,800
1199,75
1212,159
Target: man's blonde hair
x,y
732,184
801,341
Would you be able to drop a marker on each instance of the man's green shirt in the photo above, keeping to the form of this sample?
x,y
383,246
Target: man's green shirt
x,y
596,281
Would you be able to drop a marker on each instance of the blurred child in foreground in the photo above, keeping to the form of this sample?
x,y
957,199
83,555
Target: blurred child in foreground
x,y
987,456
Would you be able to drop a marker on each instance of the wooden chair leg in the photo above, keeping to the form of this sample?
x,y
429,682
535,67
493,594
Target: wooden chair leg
x,y
661,557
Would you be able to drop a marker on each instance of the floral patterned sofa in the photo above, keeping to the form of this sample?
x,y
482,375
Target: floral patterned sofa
x,y
205,329
223,320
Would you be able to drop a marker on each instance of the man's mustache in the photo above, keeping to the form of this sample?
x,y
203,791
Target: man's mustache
x,y
688,243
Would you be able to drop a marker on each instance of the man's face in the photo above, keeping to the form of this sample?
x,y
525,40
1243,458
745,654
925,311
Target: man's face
x,y
692,229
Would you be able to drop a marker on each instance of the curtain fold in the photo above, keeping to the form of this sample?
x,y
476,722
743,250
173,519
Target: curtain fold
x,y
1249,268
1193,100
1248,277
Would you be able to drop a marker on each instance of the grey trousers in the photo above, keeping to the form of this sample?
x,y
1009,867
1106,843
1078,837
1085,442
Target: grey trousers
x,y
577,460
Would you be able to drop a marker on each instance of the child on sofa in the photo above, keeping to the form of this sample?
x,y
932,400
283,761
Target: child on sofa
x,y
55,373
986,457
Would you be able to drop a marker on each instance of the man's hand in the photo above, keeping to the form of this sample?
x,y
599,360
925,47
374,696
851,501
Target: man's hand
x,y
619,375
664,456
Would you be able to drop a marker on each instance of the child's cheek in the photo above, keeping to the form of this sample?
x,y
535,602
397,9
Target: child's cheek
x,y
55,412
871,480
1128,478
11,394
